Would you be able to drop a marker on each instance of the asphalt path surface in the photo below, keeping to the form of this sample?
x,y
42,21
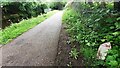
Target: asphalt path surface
x,y
36,47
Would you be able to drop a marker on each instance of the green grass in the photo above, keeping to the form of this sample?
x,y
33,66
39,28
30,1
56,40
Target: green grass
x,y
16,29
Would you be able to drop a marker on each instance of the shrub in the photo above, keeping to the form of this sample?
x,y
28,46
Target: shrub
x,y
57,5
101,26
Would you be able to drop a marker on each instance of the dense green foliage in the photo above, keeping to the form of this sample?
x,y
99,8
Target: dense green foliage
x,y
13,12
17,29
57,5
92,26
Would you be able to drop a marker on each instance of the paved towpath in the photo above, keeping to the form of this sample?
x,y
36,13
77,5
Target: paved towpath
x,y
36,47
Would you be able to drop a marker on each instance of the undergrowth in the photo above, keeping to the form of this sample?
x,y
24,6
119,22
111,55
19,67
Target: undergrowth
x,y
90,29
16,29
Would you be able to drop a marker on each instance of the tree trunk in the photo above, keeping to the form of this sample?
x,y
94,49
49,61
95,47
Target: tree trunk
x,y
117,6
103,4
90,2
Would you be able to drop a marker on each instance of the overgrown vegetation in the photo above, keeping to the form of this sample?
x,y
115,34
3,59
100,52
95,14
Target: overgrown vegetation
x,y
91,26
57,5
17,29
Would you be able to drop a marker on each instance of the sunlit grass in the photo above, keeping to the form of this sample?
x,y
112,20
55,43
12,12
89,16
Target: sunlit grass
x,y
16,29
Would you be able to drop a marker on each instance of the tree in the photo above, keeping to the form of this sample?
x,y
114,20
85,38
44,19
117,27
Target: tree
x,y
57,5
13,12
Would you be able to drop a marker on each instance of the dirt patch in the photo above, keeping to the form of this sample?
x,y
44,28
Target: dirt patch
x,y
63,57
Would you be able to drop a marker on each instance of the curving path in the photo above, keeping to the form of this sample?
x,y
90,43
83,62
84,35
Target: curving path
x,y
36,47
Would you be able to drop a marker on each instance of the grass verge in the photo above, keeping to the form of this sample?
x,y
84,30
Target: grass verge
x,y
16,29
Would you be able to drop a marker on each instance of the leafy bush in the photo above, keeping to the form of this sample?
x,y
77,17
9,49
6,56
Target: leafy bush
x,y
101,26
16,11
57,5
